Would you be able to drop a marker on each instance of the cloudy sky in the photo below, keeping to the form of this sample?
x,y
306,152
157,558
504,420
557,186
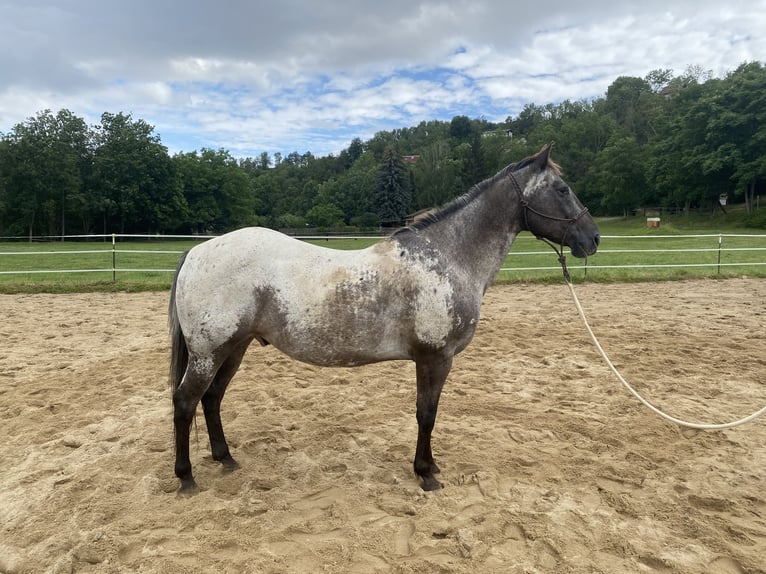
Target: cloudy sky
x,y
310,75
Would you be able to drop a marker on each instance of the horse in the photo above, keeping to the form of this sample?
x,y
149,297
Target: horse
x,y
415,295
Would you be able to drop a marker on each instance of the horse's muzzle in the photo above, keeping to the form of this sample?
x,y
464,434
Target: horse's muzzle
x,y
586,248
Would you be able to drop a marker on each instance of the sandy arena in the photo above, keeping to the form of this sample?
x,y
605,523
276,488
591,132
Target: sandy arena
x,y
549,466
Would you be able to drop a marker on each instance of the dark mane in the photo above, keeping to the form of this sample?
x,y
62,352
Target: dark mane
x,y
460,202
441,213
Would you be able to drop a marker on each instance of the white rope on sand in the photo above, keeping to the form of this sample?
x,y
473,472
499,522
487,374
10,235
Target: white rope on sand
x,y
642,399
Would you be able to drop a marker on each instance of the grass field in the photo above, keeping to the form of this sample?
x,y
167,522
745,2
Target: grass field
x,y
630,251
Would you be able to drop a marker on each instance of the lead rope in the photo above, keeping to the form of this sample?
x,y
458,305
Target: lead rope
x,y
562,260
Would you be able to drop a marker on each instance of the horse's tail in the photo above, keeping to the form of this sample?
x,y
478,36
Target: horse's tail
x,y
179,354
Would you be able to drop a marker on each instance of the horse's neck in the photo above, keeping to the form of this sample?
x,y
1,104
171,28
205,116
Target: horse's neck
x,y
478,236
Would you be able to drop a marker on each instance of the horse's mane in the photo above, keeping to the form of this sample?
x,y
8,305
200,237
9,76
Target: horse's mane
x,y
461,201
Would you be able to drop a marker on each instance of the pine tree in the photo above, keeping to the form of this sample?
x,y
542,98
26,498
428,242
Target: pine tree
x,y
392,195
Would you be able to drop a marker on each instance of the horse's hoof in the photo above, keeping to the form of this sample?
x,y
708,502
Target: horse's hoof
x,y
430,483
229,464
188,488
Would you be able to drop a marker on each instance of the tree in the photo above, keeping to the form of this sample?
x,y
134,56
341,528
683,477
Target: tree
x,y
579,142
736,133
528,119
619,173
714,139
291,221
672,165
392,195
353,153
352,190
25,184
629,100
460,128
73,161
218,191
45,162
436,175
137,182
659,79
325,215
474,169
4,153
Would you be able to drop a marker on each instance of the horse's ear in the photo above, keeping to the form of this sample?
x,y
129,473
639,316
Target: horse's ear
x,y
543,156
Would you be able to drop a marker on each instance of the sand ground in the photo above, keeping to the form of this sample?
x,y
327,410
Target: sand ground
x,y
548,465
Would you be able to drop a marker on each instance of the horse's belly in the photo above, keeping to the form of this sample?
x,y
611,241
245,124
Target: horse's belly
x,y
341,340
340,354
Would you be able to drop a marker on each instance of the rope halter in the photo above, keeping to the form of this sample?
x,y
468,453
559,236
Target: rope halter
x,y
570,220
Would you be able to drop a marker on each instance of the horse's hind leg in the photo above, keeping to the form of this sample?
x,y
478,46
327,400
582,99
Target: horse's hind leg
x,y
196,380
431,374
211,405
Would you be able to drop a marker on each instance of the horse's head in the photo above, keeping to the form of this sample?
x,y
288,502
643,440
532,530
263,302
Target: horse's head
x,y
550,208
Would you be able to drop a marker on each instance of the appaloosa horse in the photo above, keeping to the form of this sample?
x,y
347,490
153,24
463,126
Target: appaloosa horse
x,y
414,295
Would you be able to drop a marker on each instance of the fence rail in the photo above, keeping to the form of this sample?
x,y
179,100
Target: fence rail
x,y
715,252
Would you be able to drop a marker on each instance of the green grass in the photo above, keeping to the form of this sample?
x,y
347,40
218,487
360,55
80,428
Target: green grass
x,y
138,266
147,265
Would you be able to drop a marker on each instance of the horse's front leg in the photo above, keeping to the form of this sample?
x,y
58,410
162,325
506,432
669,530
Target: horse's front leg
x,y
431,374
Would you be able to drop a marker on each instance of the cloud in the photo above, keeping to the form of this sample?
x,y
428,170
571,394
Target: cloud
x,y
298,75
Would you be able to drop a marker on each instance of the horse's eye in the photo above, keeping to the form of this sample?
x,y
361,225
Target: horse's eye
x,y
564,190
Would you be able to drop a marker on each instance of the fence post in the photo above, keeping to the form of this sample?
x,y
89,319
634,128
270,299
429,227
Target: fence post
x,y
114,259
720,240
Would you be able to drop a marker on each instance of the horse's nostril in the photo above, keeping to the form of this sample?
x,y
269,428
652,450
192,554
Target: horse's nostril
x,y
597,239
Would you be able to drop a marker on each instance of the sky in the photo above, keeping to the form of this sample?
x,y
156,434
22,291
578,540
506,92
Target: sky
x,y
309,75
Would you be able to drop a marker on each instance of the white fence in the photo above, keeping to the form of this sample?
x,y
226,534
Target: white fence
x,y
712,251
112,249
715,252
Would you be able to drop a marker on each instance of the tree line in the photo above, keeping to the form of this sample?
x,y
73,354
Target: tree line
x,y
663,141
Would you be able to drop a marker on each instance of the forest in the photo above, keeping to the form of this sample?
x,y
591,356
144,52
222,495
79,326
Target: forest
x,y
665,141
